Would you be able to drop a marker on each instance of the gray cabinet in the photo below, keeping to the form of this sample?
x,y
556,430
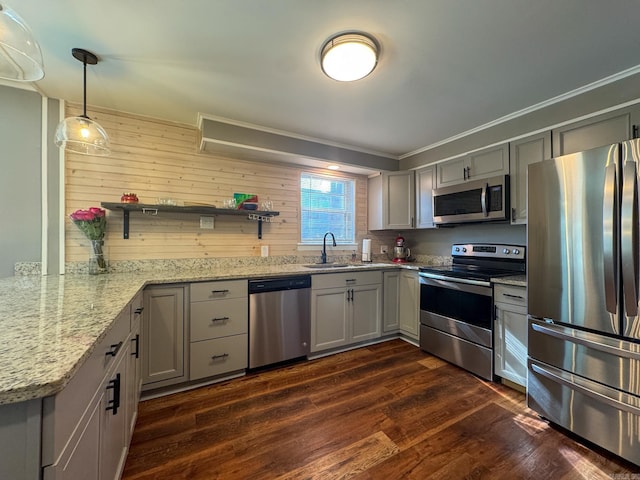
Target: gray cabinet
x,y
391,287
391,201
163,336
485,163
409,303
346,308
604,129
510,333
219,328
522,153
425,178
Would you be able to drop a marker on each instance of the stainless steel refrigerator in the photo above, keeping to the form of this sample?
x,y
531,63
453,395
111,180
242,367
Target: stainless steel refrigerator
x,y
583,295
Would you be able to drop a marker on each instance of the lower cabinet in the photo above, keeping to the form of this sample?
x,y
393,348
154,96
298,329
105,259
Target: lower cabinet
x,y
346,308
409,303
86,428
510,333
219,320
164,341
391,314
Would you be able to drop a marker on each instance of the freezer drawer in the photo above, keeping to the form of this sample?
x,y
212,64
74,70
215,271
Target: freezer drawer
x,y
472,357
603,359
605,416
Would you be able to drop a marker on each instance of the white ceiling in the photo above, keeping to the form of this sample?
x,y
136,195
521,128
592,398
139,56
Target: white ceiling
x,y
446,66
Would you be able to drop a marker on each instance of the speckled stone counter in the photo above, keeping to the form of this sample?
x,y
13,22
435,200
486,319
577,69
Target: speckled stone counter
x,y
51,324
516,280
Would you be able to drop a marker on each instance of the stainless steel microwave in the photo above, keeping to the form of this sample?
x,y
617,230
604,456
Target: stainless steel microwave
x,y
483,200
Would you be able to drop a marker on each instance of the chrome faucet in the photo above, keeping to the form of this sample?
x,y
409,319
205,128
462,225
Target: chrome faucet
x,y
324,246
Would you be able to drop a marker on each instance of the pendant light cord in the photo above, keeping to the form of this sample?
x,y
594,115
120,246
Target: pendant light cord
x,y
84,89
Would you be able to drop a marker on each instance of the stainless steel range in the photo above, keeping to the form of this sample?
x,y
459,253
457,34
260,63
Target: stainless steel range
x,y
456,304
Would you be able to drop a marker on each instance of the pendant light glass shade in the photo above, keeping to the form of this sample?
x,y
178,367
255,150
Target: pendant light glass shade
x,y
20,55
349,57
81,134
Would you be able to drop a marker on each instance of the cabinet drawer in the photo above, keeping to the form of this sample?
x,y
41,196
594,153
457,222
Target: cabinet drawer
x,y
347,279
218,290
218,318
510,294
218,356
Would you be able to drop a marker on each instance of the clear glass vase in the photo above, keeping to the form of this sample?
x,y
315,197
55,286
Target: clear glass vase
x,y
97,262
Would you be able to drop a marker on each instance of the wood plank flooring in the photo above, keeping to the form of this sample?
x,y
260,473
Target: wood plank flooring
x,y
387,411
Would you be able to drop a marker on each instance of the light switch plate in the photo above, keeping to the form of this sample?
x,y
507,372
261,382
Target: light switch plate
x,y
206,222
383,249
264,250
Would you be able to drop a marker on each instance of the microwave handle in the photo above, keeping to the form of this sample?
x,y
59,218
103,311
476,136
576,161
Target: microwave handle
x,y
483,199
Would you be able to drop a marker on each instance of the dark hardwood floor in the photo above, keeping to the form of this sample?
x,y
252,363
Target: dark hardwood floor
x,y
387,411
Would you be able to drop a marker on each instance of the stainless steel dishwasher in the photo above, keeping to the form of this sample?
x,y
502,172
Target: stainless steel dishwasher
x,y
279,319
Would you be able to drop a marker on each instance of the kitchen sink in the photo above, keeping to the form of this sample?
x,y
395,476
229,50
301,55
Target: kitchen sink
x,y
327,265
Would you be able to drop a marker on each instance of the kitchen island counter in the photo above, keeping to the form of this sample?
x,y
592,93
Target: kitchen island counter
x,y
51,324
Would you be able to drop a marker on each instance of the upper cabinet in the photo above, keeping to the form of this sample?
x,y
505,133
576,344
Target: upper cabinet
x,y
522,153
391,201
425,183
605,129
485,163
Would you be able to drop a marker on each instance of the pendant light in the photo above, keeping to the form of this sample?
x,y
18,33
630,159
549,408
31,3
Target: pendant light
x,y
348,57
20,55
81,134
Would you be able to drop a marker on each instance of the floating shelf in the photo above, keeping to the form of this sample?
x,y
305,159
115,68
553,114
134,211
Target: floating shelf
x,y
150,209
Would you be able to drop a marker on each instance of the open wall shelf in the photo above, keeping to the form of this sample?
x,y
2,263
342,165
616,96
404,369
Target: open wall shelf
x,y
149,209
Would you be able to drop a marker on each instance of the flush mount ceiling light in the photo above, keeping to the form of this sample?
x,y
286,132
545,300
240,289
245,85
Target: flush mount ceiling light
x,y
20,55
81,134
349,56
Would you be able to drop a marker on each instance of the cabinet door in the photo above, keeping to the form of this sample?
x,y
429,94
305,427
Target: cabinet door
x,y
425,183
523,153
375,218
163,336
451,172
366,312
595,132
489,162
134,375
390,301
328,318
510,355
409,300
398,196
114,424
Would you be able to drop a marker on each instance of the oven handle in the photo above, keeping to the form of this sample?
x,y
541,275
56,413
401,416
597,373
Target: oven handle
x,y
483,199
449,281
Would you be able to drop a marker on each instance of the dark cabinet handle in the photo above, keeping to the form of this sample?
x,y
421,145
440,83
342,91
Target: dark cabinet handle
x,y
114,404
115,348
219,319
215,357
136,342
219,292
520,297
138,310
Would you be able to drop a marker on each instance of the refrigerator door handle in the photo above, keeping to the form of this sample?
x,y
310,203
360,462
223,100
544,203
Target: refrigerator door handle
x,y
575,383
610,240
483,199
618,348
629,238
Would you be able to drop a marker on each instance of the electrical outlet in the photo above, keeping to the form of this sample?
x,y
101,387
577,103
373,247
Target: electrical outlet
x,y
264,250
206,222
384,249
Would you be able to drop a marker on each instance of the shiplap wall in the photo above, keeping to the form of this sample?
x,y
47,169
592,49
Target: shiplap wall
x,y
153,159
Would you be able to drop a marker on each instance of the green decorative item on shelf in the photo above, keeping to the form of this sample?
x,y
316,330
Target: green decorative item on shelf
x,y
93,223
242,198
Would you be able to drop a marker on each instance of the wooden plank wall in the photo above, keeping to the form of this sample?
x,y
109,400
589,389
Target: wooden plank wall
x,y
155,158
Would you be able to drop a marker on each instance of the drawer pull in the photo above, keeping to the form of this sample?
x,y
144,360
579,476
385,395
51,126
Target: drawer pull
x,y
115,348
520,297
215,357
138,310
350,280
136,341
219,292
219,319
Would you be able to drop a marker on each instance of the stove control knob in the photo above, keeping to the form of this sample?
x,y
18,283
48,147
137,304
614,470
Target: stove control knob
x,y
506,251
457,249
464,249
516,251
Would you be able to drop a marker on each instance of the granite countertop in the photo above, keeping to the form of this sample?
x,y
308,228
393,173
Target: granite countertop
x,y
515,280
51,324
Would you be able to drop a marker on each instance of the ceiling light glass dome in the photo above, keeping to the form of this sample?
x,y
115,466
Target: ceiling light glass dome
x,y
349,57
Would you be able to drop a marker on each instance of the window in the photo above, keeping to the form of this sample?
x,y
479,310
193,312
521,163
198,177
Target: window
x,y
327,205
